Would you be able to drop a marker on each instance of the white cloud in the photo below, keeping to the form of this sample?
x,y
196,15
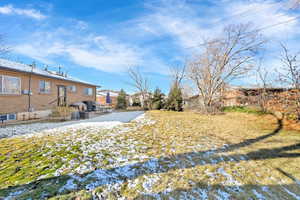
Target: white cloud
x,y
109,56
11,10
95,51
81,25
40,52
265,14
177,24
188,24
293,4
176,19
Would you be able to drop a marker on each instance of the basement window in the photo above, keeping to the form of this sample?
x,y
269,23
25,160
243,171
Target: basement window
x,y
8,117
88,91
45,87
10,85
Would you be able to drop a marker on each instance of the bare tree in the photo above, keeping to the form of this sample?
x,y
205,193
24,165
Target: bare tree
x,y
141,84
264,82
188,90
289,74
3,48
290,70
178,73
222,60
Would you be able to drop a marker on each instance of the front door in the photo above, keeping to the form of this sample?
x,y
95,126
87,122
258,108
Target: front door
x,y
61,95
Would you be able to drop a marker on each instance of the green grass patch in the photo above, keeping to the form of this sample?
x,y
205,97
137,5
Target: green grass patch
x,y
244,109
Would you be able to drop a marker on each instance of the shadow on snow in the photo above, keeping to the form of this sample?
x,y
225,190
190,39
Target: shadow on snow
x,y
100,177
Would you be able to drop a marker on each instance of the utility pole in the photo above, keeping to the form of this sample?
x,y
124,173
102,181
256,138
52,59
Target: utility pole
x,y
29,83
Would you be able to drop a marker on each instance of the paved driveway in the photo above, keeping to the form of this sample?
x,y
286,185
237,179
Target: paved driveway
x,y
117,116
37,127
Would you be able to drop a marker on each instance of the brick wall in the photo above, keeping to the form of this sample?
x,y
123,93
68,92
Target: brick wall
x,y
284,101
39,101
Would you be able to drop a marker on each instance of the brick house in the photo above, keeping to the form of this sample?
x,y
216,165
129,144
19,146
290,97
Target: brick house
x,y
276,99
25,88
251,96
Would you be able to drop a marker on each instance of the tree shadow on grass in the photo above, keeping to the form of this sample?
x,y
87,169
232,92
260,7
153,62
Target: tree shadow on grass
x,y
53,186
254,140
203,190
290,176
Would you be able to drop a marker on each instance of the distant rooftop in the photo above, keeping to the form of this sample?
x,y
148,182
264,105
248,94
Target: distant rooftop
x,y
259,88
111,93
14,66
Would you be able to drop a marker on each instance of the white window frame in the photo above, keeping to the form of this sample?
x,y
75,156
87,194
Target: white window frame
x,y
72,88
88,91
43,90
2,89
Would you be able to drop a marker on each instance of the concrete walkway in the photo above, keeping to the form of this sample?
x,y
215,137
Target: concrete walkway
x,y
10,131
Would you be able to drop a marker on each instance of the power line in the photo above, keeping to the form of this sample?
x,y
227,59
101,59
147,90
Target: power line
x,y
248,10
259,29
279,23
243,13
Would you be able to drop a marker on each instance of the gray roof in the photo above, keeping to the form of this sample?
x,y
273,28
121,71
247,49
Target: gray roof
x,y
14,66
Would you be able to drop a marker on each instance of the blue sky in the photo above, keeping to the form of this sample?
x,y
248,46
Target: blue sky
x,y
98,40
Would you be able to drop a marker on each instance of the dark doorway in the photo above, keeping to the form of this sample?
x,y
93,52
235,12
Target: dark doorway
x,y
61,95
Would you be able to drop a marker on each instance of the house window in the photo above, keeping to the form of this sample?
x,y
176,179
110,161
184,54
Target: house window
x,y
8,117
72,88
10,85
45,87
12,117
88,91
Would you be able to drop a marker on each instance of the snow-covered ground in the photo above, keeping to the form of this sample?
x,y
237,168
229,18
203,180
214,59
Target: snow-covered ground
x,y
110,119
88,145
115,160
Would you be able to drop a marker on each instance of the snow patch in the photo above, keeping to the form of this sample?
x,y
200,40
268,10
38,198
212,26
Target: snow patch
x,y
292,194
70,185
258,195
14,194
222,195
150,182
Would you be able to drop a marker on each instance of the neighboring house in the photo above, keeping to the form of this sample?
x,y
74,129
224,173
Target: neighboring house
x,y
242,96
107,97
137,99
235,96
26,88
192,102
277,99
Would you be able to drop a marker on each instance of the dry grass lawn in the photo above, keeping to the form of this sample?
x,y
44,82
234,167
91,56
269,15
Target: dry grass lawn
x,y
167,155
